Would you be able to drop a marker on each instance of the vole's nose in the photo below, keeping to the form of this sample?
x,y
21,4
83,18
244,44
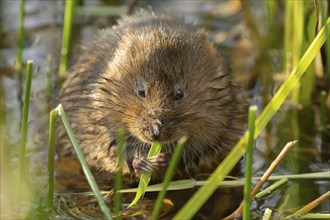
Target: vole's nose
x,y
155,129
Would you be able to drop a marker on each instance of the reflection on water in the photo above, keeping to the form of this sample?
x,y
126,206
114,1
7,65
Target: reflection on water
x,y
255,58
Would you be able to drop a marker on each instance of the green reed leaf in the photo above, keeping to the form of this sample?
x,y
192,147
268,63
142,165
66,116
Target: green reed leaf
x,y
51,157
189,183
174,185
83,162
155,149
310,216
168,176
200,197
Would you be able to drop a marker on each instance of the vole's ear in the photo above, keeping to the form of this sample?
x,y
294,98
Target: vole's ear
x,y
201,38
201,34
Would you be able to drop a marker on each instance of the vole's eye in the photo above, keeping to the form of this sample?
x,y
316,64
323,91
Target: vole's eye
x,y
178,94
142,92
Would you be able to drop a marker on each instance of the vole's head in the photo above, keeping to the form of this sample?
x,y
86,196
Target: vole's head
x,y
165,81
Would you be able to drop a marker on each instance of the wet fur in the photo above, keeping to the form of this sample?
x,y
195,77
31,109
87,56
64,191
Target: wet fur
x,y
162,54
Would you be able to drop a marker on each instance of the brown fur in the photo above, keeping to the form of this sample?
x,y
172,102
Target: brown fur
x,y
162,54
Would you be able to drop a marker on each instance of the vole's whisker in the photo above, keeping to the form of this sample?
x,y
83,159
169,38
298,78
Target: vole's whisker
x,y
158,79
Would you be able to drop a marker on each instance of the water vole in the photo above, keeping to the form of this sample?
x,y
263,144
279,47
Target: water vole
x,y
158,79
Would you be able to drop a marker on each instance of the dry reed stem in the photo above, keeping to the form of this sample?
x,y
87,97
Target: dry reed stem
x,y
264,177
311,205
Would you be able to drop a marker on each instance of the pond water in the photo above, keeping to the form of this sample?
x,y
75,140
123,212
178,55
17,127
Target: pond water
x,y
256,58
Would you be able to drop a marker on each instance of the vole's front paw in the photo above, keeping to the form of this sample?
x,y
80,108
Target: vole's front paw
x,y
143,164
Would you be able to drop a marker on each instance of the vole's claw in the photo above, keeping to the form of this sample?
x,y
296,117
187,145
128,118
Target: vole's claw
x,y
142,164
158,162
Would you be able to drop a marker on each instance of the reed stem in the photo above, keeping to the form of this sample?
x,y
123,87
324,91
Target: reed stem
x,y
309,206
168,176
19,64
249,161
271,188
51,158
323,110
49,83
24,127
119,174
199,198
85,167
66,39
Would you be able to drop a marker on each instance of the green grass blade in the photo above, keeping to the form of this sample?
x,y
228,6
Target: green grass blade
x,y
51,157
145,177
174,185
315,216
168,176
119,174
248,163
155,149
19,64
84,165
189,183
240,182
67,31
24,126
324,15
199,198
316,175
